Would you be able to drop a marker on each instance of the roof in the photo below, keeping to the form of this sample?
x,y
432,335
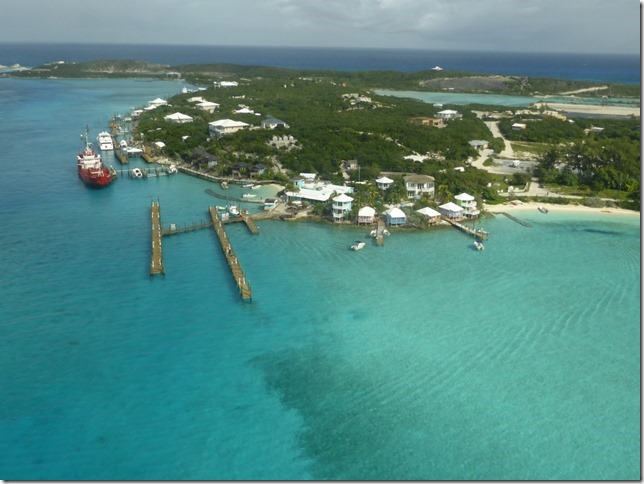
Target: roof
x,y
272,120
465,197
430,212
178,116
448,111
451,206
366,212
395,212
419,178
384,179
343,198
478,142
228,123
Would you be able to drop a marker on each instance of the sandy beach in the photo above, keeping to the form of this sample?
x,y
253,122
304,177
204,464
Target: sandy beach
x,y
552,207
593,109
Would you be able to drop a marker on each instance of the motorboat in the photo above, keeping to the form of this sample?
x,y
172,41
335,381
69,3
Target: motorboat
x,y
373,233
247,185
172,169
385,232
479,245
105,141
249,195
542,209
233,210
224,185
255,187
357,245
137,173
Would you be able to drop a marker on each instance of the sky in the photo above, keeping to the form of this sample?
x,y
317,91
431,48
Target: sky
x,y
593,26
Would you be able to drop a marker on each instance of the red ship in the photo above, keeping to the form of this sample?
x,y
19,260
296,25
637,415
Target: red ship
x,y
91,168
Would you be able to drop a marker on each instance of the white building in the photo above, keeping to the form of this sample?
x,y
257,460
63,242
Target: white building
x,y
157,102
451,210
366,215
223,127
226,84
383,182
208,106
395,216
447,114
432,215
178,118
341,206
417,185
468,204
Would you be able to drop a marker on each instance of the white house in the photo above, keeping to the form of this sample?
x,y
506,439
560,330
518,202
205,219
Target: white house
x,y
468,204
244,110
157,102
395,216
417,185
208,106
432,215
341,206
447,114
226,84
366,215
272,123
222,127
519,126
383,182
178,118
479,144
451,210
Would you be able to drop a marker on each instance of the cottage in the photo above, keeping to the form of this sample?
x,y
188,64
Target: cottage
x,y
418,185
447,114
432,215
366,215
178,118
341,206
157,102
451,210
222,127
272,123
207,106
383,182
395,216
468,204
479,144
238,169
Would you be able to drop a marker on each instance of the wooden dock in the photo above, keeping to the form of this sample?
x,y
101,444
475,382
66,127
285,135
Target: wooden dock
x,y
380,236
517,220
147,157
156,262
250,223
121,156
481,234
233,262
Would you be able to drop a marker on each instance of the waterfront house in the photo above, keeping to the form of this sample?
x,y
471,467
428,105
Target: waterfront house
x,y
239,169
448,114
366,215
256,170
313,190
271,123
383,182
178,118
223,127
468,204
207,106
451,210
155,103
427,121
417,185
341,206
395,216
432,215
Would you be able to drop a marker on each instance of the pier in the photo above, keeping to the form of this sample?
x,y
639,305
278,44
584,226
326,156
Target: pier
x,y
380,236
233,262
481,234
156,261
121,156
147,157
517,220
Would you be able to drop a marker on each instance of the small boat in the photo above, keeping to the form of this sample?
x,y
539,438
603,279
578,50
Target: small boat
x,y
220,208
249,195
373,233
357,245
542,209
105,141
479,245
233,210
255,187
224,185
172,169
385,232
137,173
247,185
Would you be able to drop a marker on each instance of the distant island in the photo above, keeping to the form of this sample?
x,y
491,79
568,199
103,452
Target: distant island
x,y
265,123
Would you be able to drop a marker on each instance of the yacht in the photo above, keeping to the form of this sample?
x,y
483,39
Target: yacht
x,y
105,141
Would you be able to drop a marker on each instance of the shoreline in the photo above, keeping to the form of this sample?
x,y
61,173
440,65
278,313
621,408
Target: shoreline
x,y
559,208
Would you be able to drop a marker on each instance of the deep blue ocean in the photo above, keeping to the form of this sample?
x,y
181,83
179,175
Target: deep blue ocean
x,y
584,67
419,360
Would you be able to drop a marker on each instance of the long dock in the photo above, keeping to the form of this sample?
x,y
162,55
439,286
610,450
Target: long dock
x,y
233,262
156,262
122,157
481,234
517,220
380,237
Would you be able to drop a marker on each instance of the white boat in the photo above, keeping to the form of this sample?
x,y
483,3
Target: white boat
x,y
357,245
249,195
123,144
233,210
137,173
542,209
172,169
385,232
255,187
373,233
224,185
247,185
105,141
479,245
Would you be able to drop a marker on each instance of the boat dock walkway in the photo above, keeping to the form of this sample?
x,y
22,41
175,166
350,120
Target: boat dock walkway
x,y
156,261
517,220
481,234
233,262
147,157
121,156
380,236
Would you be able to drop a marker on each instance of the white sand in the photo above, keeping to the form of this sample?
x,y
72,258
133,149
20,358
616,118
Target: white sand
x,y
594,109
570,208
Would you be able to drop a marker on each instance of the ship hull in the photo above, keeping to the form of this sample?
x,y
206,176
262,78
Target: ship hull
x,y
99,179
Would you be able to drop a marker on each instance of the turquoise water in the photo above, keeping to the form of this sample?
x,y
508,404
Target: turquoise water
x,y
501,99
422,359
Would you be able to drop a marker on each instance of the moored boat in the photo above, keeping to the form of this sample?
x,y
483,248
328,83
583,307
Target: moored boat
x,y
90,166
479,245
357,245
542,209
105,141
233,210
